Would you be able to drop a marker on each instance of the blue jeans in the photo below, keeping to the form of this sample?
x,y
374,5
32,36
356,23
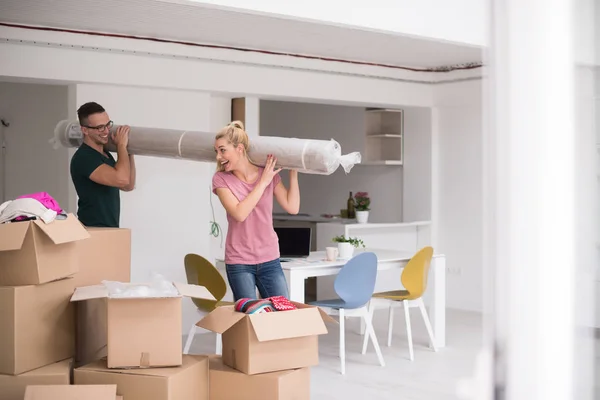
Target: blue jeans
x,y
267,276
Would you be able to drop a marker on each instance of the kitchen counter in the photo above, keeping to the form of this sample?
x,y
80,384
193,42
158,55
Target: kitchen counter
x,y
309,218
404,235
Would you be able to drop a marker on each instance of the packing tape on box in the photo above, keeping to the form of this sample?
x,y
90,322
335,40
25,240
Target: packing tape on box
x,y
310,156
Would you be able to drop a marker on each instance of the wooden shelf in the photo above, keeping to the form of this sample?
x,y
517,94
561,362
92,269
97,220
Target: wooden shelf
x,y
381,126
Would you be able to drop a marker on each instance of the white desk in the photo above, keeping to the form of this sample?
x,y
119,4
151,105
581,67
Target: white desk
x,y
315,265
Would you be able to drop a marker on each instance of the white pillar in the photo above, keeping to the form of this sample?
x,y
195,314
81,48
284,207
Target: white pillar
x,y
252,113
247,109
533,208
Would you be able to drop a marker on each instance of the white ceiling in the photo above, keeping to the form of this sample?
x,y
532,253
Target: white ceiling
x,y
200,23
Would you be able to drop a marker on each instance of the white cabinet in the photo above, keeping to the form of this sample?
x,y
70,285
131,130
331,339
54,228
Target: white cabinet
x,y
408,236
384,137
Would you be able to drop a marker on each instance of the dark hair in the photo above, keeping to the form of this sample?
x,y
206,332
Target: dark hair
x,y
88,109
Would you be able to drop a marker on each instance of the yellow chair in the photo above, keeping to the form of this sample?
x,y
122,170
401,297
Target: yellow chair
x,y
200,271
414,280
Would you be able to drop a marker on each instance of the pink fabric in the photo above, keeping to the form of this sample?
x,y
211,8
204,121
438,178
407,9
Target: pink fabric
x,y
46,200
281,303
253,241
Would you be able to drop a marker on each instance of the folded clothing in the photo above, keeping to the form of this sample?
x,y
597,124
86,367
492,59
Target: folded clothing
x,y
25,207
270,304
45,199
250,306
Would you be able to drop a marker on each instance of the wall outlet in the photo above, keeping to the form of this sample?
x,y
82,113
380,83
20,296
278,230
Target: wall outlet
x,y
454,270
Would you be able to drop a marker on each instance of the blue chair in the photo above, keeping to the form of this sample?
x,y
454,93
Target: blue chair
x,y
354,286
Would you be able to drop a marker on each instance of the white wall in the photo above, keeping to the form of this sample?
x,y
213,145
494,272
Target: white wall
x,y
328,194
595,196
33,111
169,210
220,115
435,19
417,167
459,191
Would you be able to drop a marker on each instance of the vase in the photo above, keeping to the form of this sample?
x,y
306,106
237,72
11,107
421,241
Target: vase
x,y
362,217
345,251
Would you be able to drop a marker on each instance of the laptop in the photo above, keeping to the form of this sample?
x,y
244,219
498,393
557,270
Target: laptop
x,y
294,242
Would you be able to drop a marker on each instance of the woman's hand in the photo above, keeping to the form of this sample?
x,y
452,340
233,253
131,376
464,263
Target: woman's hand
x,y
269,171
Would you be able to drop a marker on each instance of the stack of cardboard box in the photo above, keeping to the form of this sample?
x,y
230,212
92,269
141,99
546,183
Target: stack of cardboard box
x,y
106,255
266,356
62,334
37,333
135,344
144,347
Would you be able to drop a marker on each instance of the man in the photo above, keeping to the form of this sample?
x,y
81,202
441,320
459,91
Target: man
x,y
95,173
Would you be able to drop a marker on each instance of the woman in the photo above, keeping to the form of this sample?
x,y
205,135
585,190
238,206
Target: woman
x,y
246,191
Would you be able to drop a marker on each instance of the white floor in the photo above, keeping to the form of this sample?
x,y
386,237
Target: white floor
x,y
430,376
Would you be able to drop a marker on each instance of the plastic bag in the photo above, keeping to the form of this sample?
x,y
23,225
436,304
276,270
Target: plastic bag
x,y
158,287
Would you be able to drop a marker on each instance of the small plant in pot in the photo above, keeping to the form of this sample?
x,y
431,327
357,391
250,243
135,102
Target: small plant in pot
x,y
362,204
346,246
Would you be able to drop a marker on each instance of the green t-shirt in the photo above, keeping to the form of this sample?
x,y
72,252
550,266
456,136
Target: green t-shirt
x,y
98,205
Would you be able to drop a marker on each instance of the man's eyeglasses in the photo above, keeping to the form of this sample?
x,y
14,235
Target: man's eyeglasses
x,y
101,127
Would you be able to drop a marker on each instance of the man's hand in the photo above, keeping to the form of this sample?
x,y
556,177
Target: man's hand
x,y
121,136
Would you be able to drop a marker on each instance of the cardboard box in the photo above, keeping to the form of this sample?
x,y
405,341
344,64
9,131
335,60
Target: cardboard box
x,y
229,384
267,342
37,325
143,332
91,326
12,387
71,392
106,255
186,382
33,252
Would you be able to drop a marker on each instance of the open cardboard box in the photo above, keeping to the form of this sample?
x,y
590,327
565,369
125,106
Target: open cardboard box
x,y
33,252
143,331
267,342
72,392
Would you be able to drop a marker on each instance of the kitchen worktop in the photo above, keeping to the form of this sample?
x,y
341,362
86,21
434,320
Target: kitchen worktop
x,y
303,217
309,218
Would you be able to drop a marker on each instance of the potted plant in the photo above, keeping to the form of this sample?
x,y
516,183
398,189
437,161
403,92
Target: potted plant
x,y
362,203
346,246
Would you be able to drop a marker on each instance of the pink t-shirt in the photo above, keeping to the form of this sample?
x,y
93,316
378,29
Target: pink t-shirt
x,y
253,241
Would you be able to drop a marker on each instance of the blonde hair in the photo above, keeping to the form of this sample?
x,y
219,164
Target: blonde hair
x,y
236,135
